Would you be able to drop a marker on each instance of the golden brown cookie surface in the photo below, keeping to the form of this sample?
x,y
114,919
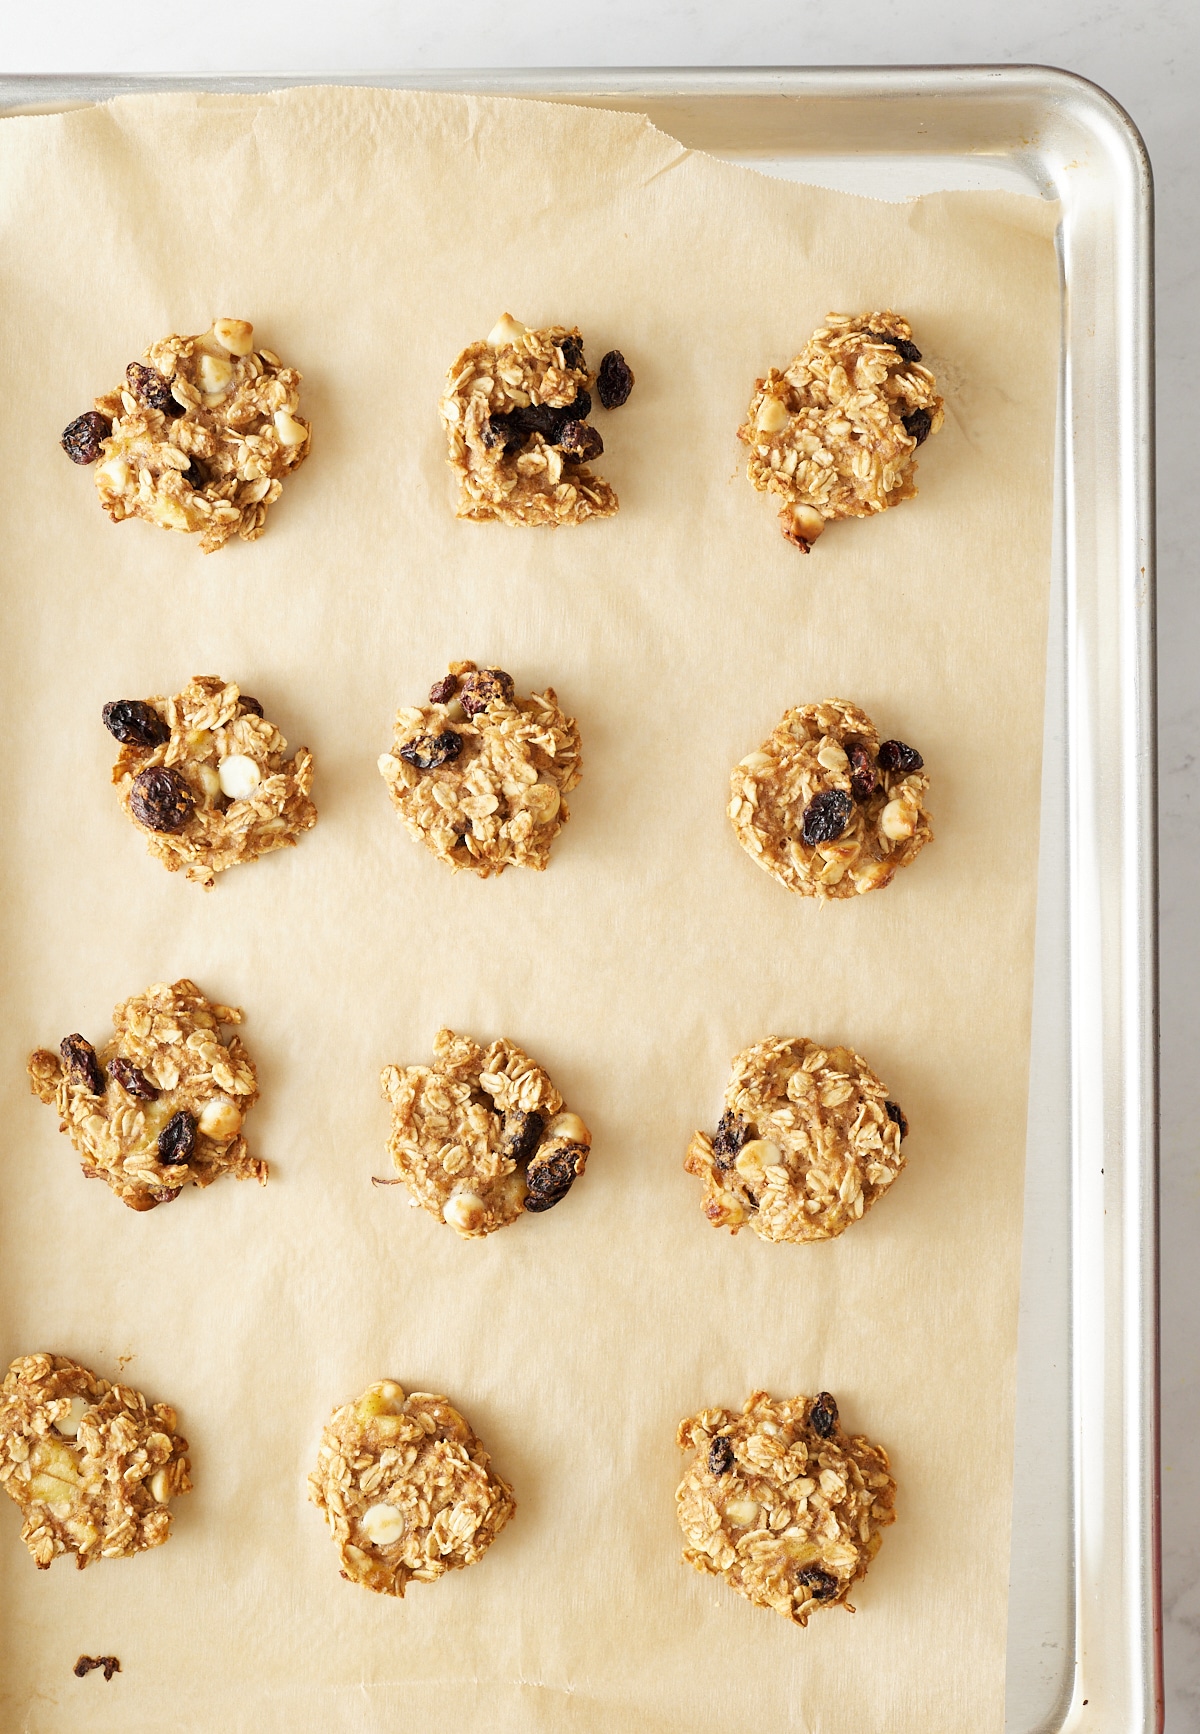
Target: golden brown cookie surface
x,y
407,1489
93,1466
783,1504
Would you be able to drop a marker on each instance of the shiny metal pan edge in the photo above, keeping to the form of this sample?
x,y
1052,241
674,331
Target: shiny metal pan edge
x,y
1084,1601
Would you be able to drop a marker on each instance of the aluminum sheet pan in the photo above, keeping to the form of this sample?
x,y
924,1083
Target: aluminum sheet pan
x,y
1084,1602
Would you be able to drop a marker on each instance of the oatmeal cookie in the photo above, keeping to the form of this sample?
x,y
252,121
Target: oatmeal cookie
x,y
199,437
808,1141
93,1466
204,778
481,1136
407,1489
783,1504
836,433
515,411
161,1106
825,807
478,775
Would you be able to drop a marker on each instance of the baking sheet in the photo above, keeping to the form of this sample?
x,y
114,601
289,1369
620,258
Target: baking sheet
x,y
370,234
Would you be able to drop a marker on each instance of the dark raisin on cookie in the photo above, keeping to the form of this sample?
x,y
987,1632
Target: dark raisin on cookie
x,y
426,752
907,348
863,777
895,756
826,817
135,723
720,1457
82,1065
177,1140
442,691
896,1114
580,443
154,391
248,706
132,1079
81,438
161,800
550,1178
917,425
822,1417
520,1135
732,1133
572,353
482,687
821,1585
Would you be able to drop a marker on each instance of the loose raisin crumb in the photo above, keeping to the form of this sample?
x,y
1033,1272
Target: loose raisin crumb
x,y
135,723
481,688
248,706
896,1113
822,1417
442,691
821,1585
917,425
580,443
615,381
895,756
82,1064
863,777
521,1134
826,817
161,800
550,1180
907,348
177,1140
85,1664
132,1079
426,752
732,1133
81,438
154,391
720,1457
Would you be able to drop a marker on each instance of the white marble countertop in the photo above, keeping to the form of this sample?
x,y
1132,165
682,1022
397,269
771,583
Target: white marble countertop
x,y
1147,54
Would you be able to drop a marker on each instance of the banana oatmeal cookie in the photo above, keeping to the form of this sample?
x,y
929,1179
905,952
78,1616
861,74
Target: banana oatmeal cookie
x,y
782,1504
203,776
836,433
198,438
478,775
161,1106
515,412
407,1489
808,1141
93,1466
481,1135
825,807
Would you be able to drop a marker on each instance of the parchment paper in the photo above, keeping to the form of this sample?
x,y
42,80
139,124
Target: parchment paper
x,y
369,235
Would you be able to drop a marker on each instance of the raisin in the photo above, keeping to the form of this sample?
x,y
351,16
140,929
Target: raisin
x,y
896,1112
580,443
82,1065
135,723
442,691
917,425
863,778
177,1140
720,1457
895,756
132,1079
521,1134
480,689
579,410
154,391
572,354
821,1585
732,1133
161,800
516,425
551,1180
907,348
426,752
614,382
195,475
81,437
826,816
248,706
822,1417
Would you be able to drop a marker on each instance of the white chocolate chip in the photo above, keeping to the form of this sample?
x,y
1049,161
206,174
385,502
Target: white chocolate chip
x,y
235,335
898,821
115,475
570,1127
214,373
391,1392
239,776
160,1486
742,1512
383,1524
772,416
220,1119
289,431
464,1211
807,522
506,330
68,1424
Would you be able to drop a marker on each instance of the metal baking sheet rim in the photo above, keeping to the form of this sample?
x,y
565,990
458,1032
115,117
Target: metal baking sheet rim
x,y
1085,1600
